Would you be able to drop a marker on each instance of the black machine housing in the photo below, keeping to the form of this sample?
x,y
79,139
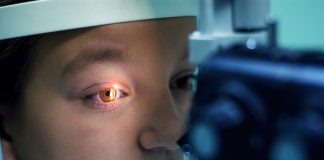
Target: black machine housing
x,y
263,103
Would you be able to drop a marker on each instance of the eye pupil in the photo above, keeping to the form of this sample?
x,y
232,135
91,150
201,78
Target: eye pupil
x,y
108,95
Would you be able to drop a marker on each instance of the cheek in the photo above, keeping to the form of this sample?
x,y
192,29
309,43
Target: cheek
x,y
55,129
183,102
185,108
187,104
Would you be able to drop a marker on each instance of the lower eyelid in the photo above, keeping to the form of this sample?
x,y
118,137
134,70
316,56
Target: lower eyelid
x,y
99,105
96,104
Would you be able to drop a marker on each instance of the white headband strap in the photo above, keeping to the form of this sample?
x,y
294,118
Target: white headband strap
x,y
46,16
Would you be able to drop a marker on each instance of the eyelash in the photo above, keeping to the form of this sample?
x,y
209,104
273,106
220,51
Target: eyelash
x,y
93,100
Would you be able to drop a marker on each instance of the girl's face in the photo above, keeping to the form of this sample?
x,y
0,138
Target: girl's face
x,y
115,92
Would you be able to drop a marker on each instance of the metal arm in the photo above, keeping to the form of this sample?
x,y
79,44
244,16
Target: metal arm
x,y
223,23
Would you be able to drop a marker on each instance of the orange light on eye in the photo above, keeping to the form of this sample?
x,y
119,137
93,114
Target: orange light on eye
x,y
108,95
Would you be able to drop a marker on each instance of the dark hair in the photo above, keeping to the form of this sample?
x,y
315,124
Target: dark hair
x,y
14,61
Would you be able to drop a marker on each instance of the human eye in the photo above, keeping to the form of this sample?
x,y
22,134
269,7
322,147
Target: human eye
x,y
105,96
186,82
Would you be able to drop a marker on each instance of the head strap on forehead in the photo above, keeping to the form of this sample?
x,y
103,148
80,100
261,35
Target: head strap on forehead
x,y
46,16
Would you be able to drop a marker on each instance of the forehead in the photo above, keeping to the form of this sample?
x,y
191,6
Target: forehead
x,y
154,42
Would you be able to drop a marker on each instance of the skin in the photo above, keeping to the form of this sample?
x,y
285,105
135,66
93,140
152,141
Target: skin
x,y
63,118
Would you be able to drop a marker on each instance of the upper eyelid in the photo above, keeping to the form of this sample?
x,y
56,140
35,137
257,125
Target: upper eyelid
x,y
115,84
191,71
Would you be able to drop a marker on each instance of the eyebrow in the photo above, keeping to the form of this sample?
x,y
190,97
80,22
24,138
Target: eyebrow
x,y
90,56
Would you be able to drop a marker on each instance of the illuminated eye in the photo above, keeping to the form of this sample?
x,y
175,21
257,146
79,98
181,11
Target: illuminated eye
x,y
108,95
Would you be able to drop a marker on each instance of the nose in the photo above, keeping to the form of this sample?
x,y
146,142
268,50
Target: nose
x,y
165,125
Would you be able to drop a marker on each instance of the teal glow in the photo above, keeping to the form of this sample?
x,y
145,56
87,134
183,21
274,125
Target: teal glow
x,y
301,23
